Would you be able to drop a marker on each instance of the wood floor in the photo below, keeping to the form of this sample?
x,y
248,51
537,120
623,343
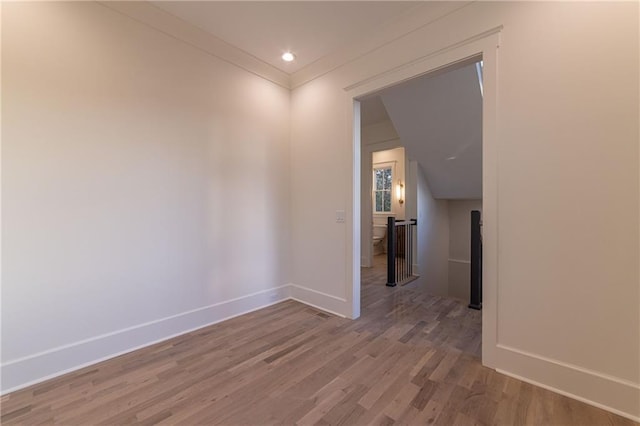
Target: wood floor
x,y
410,359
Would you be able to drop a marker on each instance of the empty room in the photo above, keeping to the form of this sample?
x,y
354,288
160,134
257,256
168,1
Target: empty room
x,y
182,230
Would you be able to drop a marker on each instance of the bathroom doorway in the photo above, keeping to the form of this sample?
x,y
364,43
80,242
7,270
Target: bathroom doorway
x,y
384,177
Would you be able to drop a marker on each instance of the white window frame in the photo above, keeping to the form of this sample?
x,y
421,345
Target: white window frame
x,y
378,166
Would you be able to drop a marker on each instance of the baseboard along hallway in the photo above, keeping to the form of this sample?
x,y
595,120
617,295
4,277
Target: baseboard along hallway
x,y
411,358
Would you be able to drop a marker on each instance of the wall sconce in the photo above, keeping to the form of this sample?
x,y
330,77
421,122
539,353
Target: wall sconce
x,y
400,192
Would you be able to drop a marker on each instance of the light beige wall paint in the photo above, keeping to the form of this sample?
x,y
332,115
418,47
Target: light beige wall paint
x,y
567,141
460,227
432,236
411,206
379,133
460,246
141,177
568,162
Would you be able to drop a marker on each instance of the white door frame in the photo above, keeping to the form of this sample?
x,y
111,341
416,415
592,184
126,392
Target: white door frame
x,y
483,46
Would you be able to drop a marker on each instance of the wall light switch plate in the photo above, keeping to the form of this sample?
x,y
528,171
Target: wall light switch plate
x,y
340,216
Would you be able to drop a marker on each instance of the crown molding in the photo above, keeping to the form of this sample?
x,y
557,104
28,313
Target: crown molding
x,y
160,20
425,13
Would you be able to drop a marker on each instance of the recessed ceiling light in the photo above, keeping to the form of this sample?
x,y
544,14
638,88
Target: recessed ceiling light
x,y
288,56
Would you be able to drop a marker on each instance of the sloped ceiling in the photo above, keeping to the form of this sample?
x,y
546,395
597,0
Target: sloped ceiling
x,y
439,121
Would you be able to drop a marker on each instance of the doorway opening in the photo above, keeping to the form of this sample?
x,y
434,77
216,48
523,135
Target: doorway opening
x,y
453,61
421,177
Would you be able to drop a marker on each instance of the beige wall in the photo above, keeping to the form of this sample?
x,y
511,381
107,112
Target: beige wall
x,y
379,133
460,246
120,142
432,237
567,202
145,187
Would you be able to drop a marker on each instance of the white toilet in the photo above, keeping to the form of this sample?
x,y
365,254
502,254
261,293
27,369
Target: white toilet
x,y
379,232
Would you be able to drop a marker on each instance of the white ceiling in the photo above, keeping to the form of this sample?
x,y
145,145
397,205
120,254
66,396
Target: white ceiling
x,y
266,29
439,121
438,118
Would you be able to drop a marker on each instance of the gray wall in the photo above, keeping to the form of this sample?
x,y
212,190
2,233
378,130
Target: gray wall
x,y
433,237
459,246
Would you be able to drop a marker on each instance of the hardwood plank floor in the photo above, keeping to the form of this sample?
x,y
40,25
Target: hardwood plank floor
x,y
410,359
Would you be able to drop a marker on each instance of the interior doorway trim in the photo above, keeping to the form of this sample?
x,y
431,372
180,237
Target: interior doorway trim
x,y
483,46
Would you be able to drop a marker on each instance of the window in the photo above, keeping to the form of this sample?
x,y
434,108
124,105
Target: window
x,y
382,188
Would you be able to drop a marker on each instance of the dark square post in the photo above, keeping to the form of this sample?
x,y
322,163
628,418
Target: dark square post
x,y
476,261
391,251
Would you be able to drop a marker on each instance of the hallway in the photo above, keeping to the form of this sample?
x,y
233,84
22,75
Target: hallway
x,y
437,321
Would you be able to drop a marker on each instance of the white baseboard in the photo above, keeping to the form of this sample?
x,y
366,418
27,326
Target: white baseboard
x,y
29,370
610,393
32,369
323,301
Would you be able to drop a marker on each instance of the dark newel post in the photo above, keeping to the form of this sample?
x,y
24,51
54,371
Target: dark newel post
x,y
391,251
476,261
414,227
